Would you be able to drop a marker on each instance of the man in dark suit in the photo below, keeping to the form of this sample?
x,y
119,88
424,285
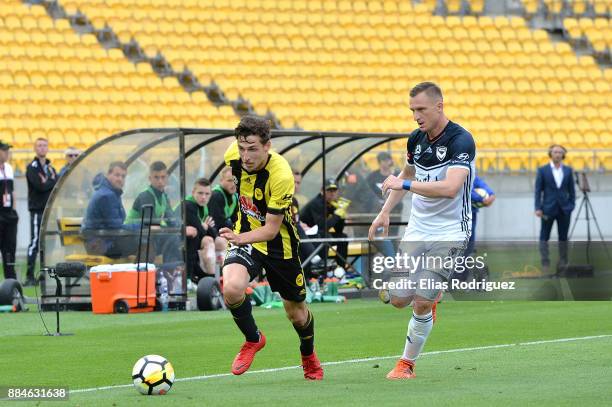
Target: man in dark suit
x,y
555,199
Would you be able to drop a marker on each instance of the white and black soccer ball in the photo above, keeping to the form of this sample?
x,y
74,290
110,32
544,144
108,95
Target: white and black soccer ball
x,y
153,375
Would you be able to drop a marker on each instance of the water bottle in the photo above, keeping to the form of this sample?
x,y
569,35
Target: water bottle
x,y
163,290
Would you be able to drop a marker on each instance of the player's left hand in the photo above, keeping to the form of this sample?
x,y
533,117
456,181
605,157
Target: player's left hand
x,y
230,236
392,183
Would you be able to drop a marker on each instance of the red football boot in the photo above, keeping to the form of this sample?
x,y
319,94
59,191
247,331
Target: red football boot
x,y
312,367
245,357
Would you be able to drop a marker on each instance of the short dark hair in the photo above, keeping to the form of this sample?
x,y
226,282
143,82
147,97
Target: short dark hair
x,y
383,156
116,164
253,125
431,89
157,166
203,182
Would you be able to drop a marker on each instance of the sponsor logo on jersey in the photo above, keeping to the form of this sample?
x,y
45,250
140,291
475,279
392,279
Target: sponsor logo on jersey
x,y
247,206
441,152
284,201
299,280
463,157
428,151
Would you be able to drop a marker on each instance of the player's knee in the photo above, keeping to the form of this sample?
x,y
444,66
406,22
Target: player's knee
x,y
298,316
232,291
422,307
399,302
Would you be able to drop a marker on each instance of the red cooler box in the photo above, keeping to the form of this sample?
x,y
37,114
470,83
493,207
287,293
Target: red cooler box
x,y
115,288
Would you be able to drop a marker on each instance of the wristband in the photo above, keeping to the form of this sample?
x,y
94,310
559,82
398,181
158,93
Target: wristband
x,y
406,185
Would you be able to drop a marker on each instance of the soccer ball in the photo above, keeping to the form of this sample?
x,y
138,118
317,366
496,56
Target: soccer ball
x,y
483,193
153,375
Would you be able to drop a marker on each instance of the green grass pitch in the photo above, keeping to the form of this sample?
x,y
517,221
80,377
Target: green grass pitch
x,y
104,348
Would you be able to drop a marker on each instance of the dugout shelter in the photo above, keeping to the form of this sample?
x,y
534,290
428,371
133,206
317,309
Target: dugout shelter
x,y
188,154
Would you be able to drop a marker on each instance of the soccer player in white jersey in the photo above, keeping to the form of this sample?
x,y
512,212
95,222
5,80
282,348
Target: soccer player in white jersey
x,y
439,172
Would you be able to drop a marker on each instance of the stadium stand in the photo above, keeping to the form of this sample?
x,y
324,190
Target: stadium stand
x,y
63,86
319,65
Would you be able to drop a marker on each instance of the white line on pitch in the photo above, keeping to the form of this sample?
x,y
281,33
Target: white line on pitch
x,y
342,362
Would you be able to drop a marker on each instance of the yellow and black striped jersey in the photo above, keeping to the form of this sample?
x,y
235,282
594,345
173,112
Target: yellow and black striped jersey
x,y
269,190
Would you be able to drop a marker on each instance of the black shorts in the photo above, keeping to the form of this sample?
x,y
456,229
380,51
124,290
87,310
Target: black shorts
x,y
284,275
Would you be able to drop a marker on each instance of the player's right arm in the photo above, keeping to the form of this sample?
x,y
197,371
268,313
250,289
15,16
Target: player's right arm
x,y
395,197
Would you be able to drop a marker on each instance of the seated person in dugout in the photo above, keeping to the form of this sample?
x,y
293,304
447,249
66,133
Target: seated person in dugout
x,y
105,214
223,208
154,196
312,214
202,235
223,204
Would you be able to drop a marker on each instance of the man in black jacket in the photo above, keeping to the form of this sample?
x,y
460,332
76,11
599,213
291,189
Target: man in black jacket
x,y
312,215
8,214
41,178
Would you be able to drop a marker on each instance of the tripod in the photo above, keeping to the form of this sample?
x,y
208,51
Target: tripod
x,y
583,185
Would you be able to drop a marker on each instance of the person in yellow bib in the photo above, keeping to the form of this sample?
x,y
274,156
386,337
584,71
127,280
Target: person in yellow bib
x,y
264,237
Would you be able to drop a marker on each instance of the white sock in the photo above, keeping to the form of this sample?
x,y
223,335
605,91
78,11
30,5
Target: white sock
x,y
419,328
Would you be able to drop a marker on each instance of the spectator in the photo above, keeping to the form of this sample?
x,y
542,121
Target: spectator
x,y
479,200
41,178
482,196
163,215
8,214
71,155
297,183
375,180
555,199
200,231
312,215
223,203
306,248
106,213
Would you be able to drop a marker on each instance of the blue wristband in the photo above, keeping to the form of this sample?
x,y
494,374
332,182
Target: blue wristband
x,y
406,185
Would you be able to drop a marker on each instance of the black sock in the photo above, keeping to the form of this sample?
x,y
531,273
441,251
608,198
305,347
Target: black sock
x,y
306,334
243,317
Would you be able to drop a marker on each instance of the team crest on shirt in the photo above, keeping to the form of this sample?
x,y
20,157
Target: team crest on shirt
x,y
248,207
441,152
258,194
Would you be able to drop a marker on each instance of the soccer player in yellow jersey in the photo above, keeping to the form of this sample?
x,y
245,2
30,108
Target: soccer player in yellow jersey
x,y
264,236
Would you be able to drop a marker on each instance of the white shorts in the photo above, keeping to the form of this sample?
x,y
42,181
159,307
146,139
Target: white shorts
x,y
426,264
